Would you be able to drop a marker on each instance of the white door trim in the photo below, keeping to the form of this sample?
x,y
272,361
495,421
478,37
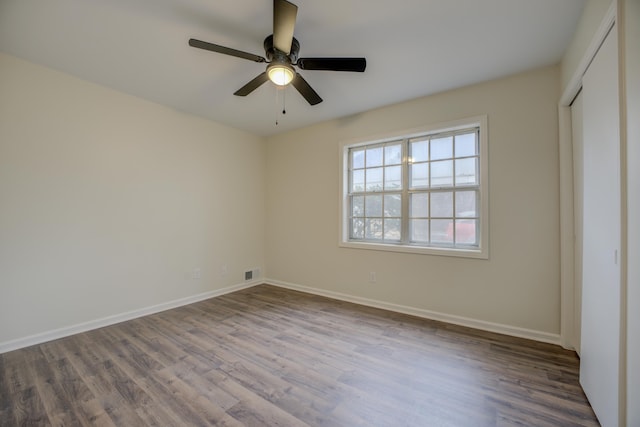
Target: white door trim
x,y
567,276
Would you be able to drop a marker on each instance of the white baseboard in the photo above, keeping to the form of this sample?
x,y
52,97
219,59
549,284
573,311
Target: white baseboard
x,y
427,314
117,318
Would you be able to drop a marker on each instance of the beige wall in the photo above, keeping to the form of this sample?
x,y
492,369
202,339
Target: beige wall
x,y
517,286
108,202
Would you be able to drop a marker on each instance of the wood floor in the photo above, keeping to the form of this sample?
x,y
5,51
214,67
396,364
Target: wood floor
x,y
267,356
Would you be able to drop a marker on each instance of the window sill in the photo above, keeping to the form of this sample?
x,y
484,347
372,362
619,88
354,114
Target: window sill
x,y
422,250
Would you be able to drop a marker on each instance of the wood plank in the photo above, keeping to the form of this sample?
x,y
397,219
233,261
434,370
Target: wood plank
x,y
272,356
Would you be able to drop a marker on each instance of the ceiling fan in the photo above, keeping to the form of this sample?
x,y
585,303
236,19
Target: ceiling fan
x,y
281,51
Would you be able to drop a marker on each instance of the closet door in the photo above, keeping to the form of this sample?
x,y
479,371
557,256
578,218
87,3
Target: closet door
x,y
600,337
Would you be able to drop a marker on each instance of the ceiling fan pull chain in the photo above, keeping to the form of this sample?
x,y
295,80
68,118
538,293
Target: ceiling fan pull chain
x,y
276,106
284,100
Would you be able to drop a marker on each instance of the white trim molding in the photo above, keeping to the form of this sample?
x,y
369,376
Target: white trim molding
x,y
483,325
575,83
117,318
418,312
481,122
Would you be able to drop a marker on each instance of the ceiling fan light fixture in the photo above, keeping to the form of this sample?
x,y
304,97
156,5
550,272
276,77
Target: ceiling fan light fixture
x,y
281,74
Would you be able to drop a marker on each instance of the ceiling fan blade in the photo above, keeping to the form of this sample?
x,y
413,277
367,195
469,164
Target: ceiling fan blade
x,y
333,64
306,90
252,85
284,22
225,50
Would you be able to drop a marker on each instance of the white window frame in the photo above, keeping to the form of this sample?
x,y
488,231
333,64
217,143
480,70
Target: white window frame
x,y
481,251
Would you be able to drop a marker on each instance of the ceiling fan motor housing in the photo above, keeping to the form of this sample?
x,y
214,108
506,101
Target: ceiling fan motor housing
x,y
275,55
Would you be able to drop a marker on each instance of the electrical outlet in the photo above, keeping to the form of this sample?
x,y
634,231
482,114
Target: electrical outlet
x,y
373,277
196,274
224,271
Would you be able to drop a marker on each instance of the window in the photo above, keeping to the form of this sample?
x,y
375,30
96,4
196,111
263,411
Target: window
x,y
421,192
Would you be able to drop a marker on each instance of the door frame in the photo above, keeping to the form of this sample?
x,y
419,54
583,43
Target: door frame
x,y
568,329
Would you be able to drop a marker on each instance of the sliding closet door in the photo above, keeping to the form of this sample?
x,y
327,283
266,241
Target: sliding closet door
x,y
600,337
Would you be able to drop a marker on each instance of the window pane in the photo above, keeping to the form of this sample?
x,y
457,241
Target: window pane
x,y
466,171
393,177
373,206
374,179
441,231
373,229
392,205
442,148
419,175
357,180
422,191
391,229
466,145
419,203
442,173
466,231
357,206
466,204
393,154
374,157
357,158
420,151
442,205
357,228
419,229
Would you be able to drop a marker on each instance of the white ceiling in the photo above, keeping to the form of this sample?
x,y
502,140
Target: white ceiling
x,y
413,48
